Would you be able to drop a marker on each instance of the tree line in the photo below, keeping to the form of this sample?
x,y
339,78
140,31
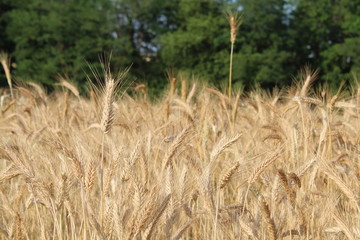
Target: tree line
x,y
46,39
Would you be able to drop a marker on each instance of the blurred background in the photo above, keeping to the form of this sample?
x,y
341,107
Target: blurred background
x,y
191,38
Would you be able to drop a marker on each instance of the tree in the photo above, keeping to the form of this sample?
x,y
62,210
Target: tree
x,y
199,43
277,37
326,35
342,58
263,54
54,37
144,22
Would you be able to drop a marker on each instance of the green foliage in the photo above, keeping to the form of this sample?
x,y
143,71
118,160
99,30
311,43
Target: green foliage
x,y
143,22
54,37
196,47
276,39
262,50
326,35
205,50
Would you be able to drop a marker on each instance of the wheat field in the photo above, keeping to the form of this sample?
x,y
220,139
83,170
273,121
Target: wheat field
x,y
193,165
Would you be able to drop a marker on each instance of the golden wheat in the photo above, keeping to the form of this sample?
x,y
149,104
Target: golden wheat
x,y
212,168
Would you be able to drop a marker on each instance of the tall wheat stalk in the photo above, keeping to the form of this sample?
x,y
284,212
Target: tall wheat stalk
x,y
107,120
235,21
5,62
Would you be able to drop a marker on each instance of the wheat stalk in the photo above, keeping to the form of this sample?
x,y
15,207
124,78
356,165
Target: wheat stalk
x,y
234,21
5,62
183,89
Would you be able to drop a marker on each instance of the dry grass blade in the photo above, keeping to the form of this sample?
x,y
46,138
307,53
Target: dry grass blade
x,y
5,62
343,227
95,224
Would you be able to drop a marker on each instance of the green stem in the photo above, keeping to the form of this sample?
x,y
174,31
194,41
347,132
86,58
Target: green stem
x,y
230,69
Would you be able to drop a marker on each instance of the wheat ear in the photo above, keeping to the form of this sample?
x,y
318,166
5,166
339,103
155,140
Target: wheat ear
x,y
284,180
261,168
226,177
107,117
176,144
269,221
221,146
256,173
309,76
